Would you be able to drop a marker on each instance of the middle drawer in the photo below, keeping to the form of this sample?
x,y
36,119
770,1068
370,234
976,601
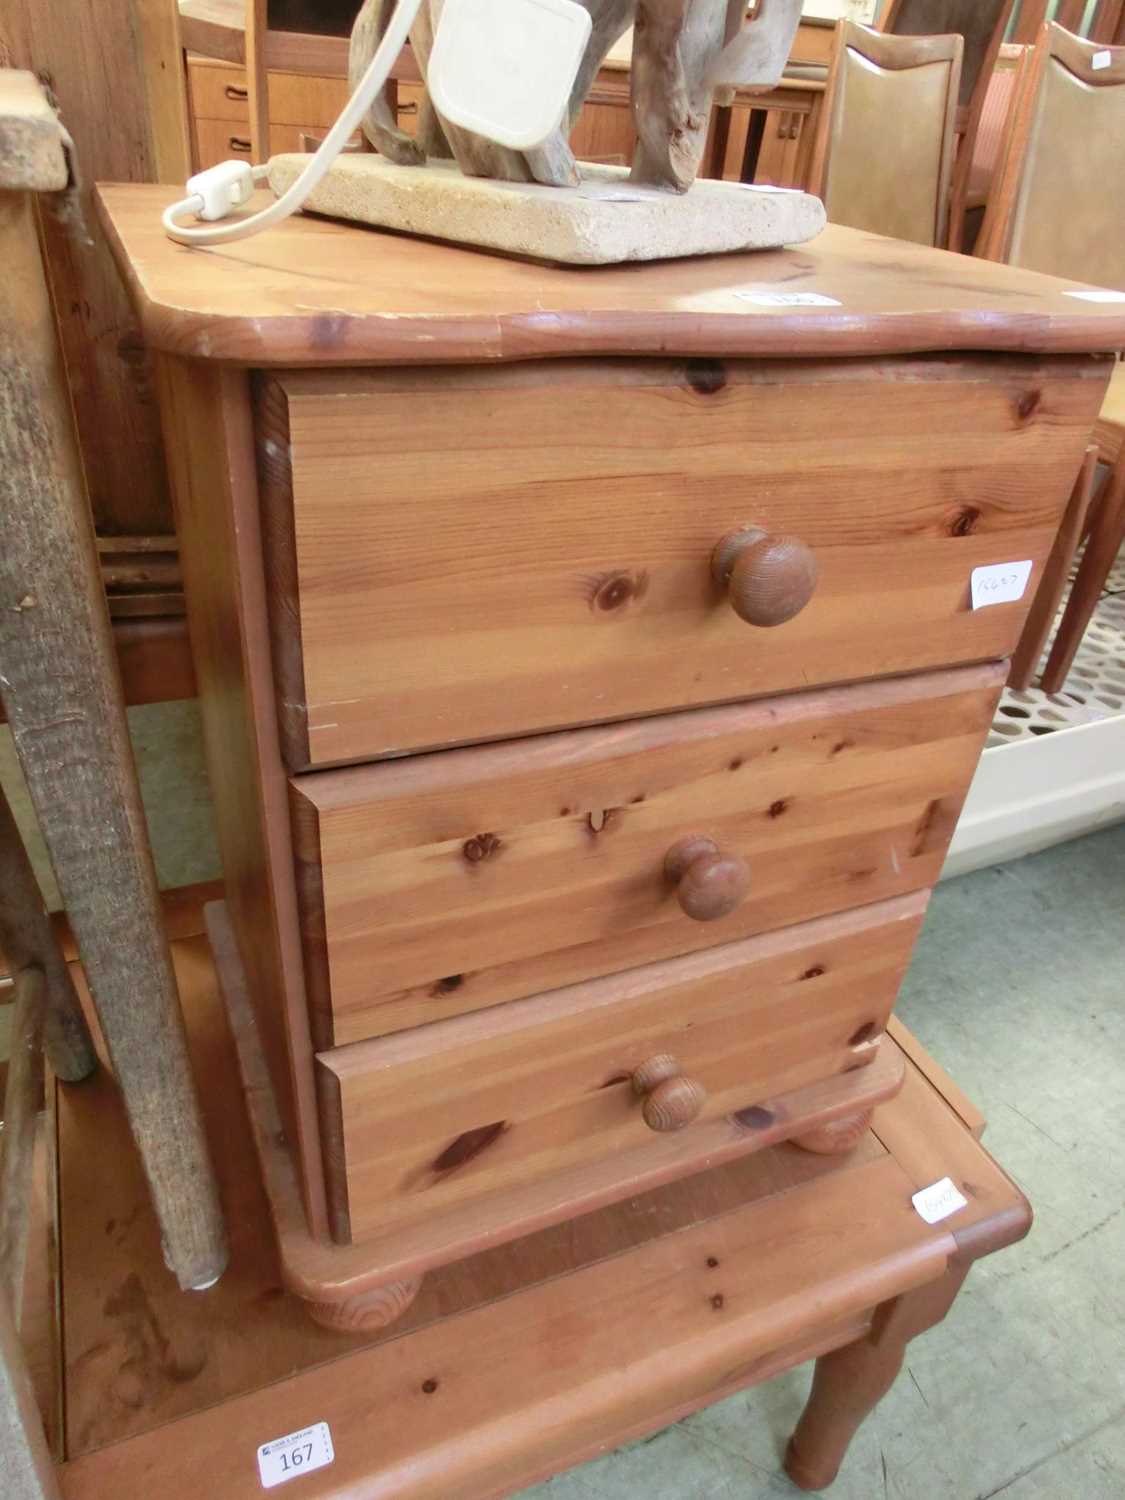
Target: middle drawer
x,y
451,881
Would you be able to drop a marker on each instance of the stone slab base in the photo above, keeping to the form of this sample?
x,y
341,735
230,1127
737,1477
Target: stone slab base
x,y
603,222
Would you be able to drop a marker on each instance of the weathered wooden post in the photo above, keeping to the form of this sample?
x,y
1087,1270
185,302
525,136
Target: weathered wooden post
x,y
62,694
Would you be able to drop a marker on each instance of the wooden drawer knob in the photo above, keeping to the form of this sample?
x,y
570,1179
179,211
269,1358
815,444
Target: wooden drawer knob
x,y
671,1100
709,884
768,579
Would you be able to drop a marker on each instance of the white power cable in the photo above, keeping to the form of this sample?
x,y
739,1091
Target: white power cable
x,y
214,193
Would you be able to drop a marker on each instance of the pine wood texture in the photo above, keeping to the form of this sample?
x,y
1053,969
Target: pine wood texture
x,y
221,552
459,555
445,883
63,700
100,64
343,1273
472,1392
456,1112
351,296
139,1354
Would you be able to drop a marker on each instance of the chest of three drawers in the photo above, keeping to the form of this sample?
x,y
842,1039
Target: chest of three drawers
x,y
571,846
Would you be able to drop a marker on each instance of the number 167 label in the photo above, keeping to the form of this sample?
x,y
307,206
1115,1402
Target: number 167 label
x,y
295,1454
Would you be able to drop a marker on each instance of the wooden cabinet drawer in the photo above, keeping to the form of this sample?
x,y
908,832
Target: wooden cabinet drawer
x,y
482,1107
220,140
219,92
409,102
469,554
451,881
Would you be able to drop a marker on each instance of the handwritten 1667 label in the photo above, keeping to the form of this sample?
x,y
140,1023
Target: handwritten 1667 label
x,y
999,583
938,1201
297,1453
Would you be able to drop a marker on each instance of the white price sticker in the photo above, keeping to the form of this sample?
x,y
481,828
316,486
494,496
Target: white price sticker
x,y
1101,60
999,583
1097,294
295,1454
938,1201
789,299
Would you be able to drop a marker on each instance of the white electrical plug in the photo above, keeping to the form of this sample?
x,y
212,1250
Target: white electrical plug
x,y
505,68
222,188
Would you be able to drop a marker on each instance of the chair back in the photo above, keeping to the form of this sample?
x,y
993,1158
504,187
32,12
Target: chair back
x,y
979,23
989,143
1057,201
884,149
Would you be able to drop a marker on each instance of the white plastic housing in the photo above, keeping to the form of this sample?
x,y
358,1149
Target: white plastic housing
x,y
505,68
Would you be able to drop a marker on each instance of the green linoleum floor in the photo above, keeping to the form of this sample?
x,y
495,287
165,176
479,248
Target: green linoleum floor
x,y
1018,988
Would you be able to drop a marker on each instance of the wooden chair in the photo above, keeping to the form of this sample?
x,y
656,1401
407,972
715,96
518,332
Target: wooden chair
x,y
981,24
890,181
988,145
1057,208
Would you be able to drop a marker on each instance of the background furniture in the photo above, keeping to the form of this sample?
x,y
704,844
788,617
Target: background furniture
x,y
417,1410
981,27
515,550
116,74
63,701
892,182
1051,211
988,144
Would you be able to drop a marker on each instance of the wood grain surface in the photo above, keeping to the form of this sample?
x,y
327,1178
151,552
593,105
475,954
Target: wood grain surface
x,y
448,882
465,555
101,68
216,496
139,1354
243,1363
353,296
455,1112
510,1365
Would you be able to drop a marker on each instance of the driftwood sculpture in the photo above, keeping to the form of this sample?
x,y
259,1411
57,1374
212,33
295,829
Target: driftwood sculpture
x,y
686,53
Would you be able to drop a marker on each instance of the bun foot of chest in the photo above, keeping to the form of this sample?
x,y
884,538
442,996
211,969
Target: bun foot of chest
x,y
835,1136
367,1311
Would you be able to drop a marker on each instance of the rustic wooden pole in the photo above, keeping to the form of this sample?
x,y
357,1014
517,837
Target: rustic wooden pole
x,y
25,1462
22,1099
60,687
27,938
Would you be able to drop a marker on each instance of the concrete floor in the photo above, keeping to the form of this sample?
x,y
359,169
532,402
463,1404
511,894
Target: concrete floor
x,y
1018,988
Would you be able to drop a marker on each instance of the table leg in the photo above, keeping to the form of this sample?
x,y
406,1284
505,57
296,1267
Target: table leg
x,y
850,1382
60,686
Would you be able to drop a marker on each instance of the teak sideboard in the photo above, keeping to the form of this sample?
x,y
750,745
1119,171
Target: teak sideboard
x,y
591,685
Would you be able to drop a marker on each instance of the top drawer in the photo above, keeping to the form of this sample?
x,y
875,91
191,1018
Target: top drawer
x,y
468,554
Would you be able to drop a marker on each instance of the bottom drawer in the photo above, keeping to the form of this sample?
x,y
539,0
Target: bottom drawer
x,y
474,1107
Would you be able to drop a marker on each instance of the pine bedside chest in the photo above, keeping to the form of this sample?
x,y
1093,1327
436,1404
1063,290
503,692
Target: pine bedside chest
x,y
591,683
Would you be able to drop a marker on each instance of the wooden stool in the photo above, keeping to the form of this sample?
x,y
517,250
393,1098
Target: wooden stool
x,y
534,1355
